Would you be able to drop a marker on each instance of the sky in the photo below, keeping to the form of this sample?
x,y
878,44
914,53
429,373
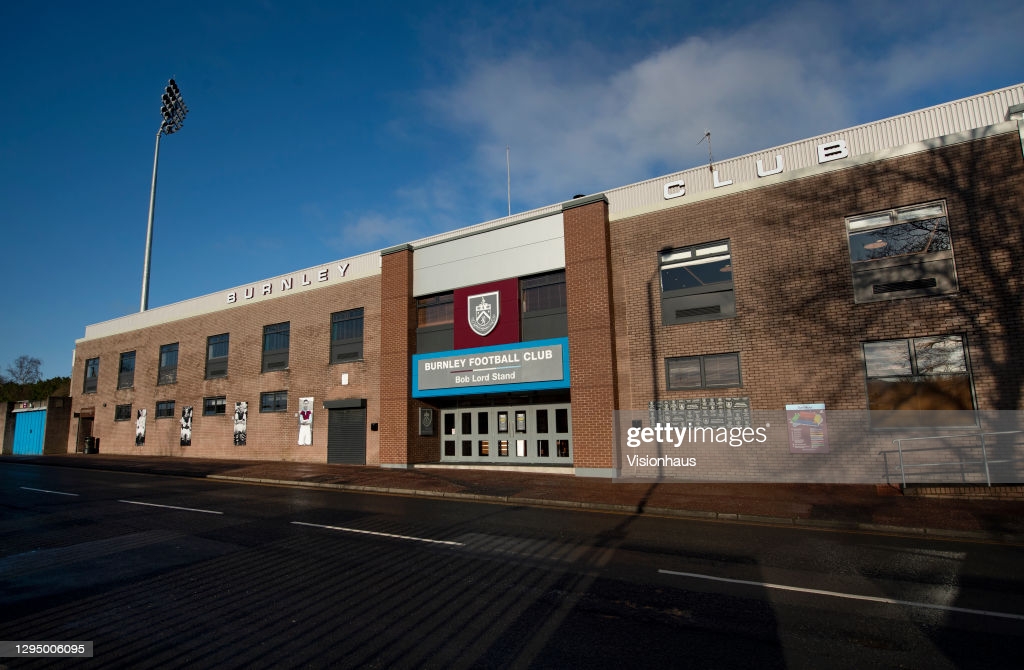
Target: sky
x,y
322,130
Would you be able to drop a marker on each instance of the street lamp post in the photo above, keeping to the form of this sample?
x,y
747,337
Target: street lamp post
x,y
173,111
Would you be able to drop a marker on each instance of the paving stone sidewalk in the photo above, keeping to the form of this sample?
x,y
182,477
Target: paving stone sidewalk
x,y
835,506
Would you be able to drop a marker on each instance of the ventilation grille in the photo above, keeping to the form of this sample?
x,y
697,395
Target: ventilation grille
x,y
698,311
274,365
346,355
928,282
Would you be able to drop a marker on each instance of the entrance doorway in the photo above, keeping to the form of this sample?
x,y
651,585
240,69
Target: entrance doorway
x,y
85,421
521,434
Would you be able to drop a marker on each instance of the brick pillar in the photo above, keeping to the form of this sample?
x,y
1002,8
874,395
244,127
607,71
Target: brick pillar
x,y
397,344
592,370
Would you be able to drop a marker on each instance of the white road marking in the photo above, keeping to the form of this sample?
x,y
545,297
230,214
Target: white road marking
x,y
186,509
850,596
379,534
60,493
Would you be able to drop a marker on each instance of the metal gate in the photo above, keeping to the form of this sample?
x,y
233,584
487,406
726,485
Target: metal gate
x,y
346,435
29,430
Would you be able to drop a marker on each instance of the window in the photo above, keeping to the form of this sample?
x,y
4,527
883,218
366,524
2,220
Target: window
x,y
92,373
168,373
123,413
347,336
275,346
274,401
126,370
697,372
217,356
543,292
438,310
214,406
901,253
696,283
435,323
165,409
542,306
921,373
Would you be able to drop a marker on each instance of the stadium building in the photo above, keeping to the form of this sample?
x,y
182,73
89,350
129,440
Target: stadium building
x,y
876,267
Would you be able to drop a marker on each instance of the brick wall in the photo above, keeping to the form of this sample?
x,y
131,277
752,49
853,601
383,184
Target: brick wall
x,y
797,328
58,424
272,436
399,429
591,335
7,428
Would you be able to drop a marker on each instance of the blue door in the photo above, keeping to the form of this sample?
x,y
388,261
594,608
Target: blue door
x,y
29,428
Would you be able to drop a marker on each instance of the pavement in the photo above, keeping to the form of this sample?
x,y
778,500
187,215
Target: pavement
x,y
866,508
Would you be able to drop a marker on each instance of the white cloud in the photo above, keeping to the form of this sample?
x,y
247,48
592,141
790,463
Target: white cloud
x,y
584,135
372,231
785,77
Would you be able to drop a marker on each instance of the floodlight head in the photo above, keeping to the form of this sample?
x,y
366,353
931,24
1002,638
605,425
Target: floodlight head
x,y
173,109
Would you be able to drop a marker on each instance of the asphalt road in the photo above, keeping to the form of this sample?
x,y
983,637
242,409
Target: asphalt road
x,y
173,572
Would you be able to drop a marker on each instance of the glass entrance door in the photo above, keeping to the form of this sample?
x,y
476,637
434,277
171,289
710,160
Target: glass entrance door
x,y
538,434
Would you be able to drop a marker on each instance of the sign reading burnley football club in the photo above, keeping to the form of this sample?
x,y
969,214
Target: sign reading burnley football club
x,y
483,310
529,366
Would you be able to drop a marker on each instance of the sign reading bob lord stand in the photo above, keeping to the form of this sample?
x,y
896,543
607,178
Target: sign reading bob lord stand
x,y
529,366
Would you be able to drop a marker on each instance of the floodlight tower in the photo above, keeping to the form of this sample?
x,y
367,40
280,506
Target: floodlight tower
x,y
173,111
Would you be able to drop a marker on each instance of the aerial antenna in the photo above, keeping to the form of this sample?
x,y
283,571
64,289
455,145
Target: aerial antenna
x,y
711,160
508,177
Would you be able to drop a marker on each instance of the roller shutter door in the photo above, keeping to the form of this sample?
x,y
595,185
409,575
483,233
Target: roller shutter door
x,y
346,436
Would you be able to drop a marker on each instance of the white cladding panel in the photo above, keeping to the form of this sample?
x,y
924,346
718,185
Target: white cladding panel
x,y
946,120
328,274
510,251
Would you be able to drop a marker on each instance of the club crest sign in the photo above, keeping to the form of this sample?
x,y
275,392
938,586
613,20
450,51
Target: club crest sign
x,y
482,313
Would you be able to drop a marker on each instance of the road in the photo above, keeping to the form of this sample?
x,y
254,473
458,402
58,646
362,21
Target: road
x,y
173,572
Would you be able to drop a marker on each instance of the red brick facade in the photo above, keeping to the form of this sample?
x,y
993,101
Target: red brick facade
x,y
271,435
591,332
399,429
797,328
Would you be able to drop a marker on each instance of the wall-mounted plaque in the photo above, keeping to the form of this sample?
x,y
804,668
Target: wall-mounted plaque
x,y
426,421
699,412
808,430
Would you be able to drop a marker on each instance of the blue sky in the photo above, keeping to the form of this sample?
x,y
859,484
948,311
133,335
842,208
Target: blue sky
x,y
321,130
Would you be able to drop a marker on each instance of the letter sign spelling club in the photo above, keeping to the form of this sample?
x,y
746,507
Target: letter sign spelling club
x,y
482,312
